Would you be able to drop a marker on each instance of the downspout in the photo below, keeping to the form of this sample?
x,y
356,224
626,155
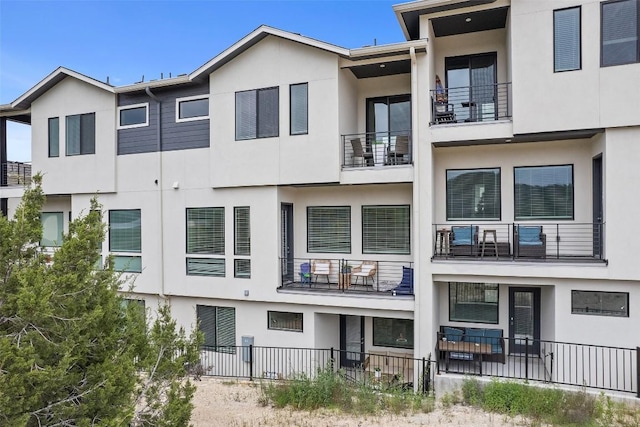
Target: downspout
x,y
159,184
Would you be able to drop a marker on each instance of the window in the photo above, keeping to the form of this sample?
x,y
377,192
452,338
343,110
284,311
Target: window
x,y
473,302
54,137
257,113
242,241
192,108
600,303
284,321
205,236
81,134
299,113
52,229
392,332
133,116
620,32
329,229
125,235
544,192
218,324
566,39
473,194
386,229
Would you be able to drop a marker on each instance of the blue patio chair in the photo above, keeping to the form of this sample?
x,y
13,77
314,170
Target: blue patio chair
x,y
305,273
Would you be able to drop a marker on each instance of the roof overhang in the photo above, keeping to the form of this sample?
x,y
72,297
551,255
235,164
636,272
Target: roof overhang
x,y
384,60
527,137
15,114
408,14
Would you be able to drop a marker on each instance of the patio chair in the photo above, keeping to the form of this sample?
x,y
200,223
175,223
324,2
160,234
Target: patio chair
x,y
305,273
397,152
365,270
360,157
463,240
321,267
405,287
529,241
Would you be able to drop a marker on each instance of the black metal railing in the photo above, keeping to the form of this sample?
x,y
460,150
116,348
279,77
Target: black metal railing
x,y
374,149
378,369
347,275
478,103
579,242
582,365
15,173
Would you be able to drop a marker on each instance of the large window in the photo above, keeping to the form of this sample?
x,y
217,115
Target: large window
x,y
54,137
620,32
257,113
600,303
133,116
473,302
192,108
392,332
52,228
566,39
284,321
329,229
81,134
544,192
299,113
218,324
473,194
386,229
125,235
205,236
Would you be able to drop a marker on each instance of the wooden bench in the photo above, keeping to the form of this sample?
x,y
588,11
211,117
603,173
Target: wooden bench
x,y
490,343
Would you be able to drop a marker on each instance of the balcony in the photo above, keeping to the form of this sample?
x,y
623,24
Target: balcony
x,y
357,277
470,104
567,242
15,174
376,149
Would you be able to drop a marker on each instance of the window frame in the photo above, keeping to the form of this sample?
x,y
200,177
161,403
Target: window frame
x,y
257,113
555,66
126,251
291,110
121,255
405,324
488,299
122,108
367,232
179,101
545,218
499,194
201,254
227,348
587,313
57,137
84,148
602,7
60,221
294,321
340,250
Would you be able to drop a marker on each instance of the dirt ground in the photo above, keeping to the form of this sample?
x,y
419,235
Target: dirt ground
x,y
231,404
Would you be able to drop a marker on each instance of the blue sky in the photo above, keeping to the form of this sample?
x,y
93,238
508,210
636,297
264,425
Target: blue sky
x,y
126,40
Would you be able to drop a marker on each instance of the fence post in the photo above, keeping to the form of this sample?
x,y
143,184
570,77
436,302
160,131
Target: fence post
x,y
250,362
425,386
526,358
332,361
638,372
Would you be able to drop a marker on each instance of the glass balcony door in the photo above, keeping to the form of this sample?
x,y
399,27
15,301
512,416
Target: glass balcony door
x,y
471,86
387,117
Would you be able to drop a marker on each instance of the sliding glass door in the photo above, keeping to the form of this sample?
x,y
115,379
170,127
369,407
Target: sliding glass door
x,y
471,86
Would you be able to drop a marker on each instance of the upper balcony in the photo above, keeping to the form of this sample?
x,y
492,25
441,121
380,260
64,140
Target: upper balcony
x,y
14,174
376,149
471,104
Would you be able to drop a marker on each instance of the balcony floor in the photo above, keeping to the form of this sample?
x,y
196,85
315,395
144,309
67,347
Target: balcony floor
x,y
383,288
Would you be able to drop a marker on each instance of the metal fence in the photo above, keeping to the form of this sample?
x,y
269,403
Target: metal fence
x,y
478,103
15,173
582,365
373,149
381,370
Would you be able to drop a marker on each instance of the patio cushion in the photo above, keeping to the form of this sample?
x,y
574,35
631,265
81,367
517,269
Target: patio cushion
x,y
492,337
461,235
452,334
474,335
321,269
461,356
529,236
407,276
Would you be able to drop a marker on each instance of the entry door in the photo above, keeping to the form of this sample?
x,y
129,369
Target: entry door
x,y
524,320
351,341
286,242
598,211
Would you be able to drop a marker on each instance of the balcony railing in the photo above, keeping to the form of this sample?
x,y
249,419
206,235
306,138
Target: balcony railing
x,y
393,278
573,242
376,149
15,173
479,103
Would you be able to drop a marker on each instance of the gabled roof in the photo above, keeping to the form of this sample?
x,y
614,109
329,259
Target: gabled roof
x,y
253,38
59,74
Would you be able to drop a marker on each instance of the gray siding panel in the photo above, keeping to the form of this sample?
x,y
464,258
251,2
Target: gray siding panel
x,y
175,136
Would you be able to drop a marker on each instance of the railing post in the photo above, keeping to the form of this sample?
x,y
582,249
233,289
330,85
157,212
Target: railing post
x,y
425,385
250,362
557,241
526,358
638,372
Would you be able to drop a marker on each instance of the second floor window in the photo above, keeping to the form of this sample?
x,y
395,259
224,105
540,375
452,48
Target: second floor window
x,y
133,116
299,113
544,192
386,229
473,194
620,32
125,235
54,137
329,229
257,113
566,39
81,134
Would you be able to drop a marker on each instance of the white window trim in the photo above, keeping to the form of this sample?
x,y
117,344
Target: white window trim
x,y
189,98
130,107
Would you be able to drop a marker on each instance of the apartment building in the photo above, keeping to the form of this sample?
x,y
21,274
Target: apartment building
x,y
479,175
